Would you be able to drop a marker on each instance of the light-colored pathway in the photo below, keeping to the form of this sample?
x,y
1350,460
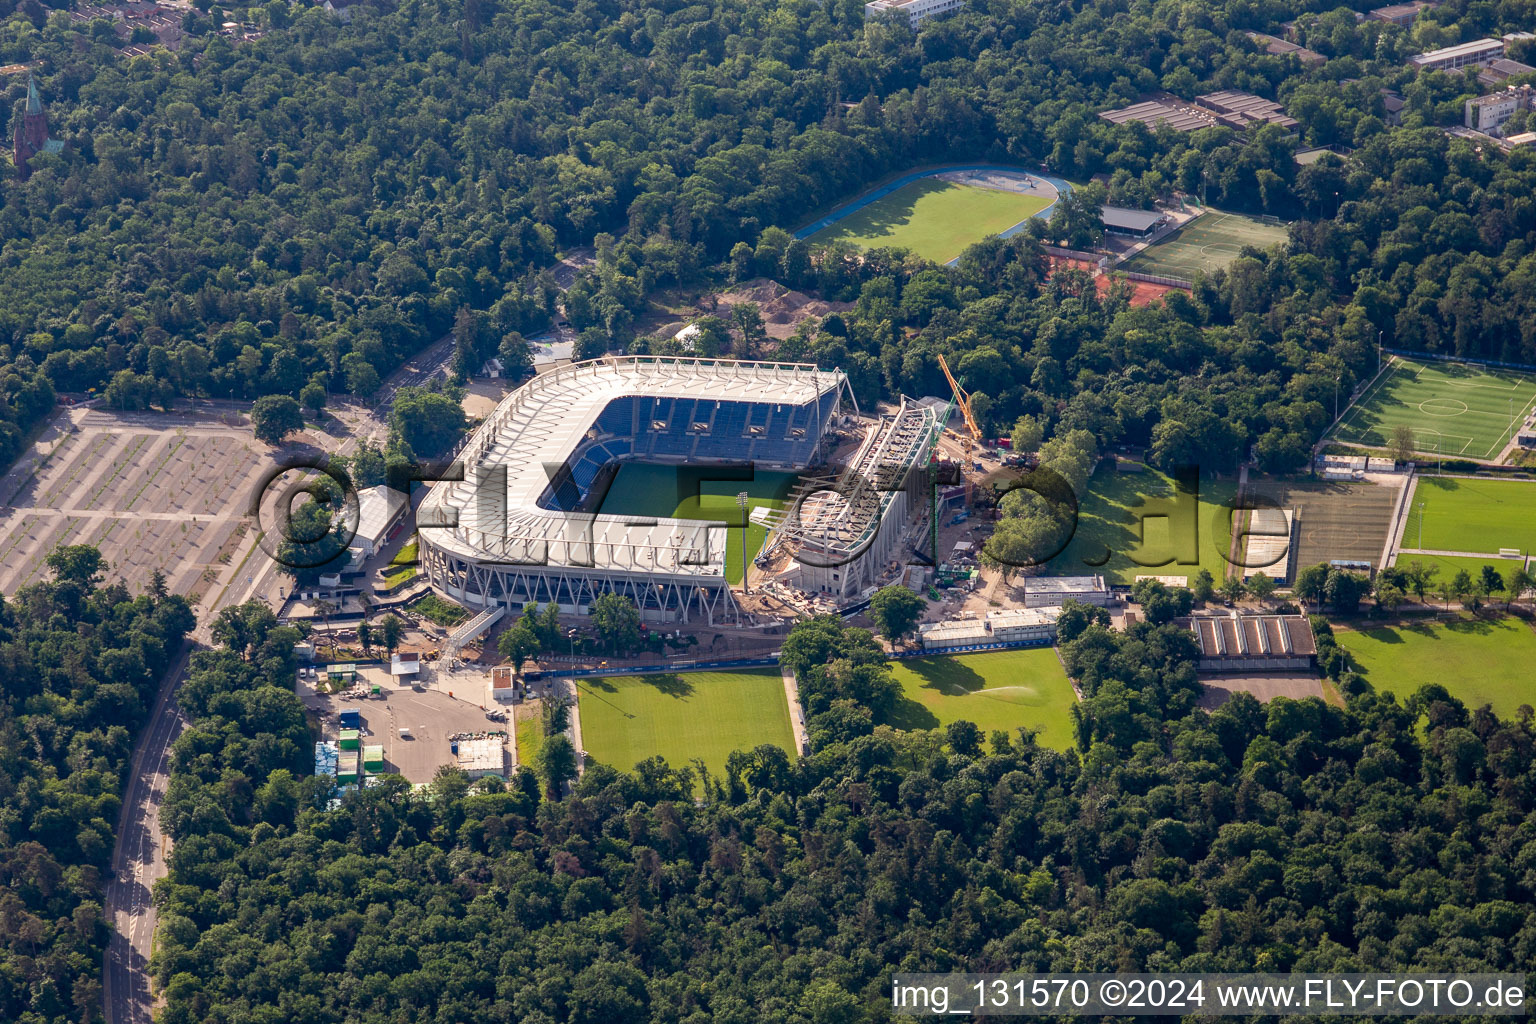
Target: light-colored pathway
x,y
796,713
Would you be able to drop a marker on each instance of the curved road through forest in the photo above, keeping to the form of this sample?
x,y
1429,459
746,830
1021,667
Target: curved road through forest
x,y
139,859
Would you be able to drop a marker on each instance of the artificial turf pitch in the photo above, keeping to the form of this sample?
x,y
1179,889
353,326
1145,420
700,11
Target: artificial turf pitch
x,y
1478,661
1205,244
683,492
1453,409
683,716
935,219
997,691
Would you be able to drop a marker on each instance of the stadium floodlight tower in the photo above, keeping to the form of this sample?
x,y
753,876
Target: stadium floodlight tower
x,y
524,524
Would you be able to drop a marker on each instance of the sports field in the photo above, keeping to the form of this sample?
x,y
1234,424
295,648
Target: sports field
x,y
1454,409
933,218
1129,524
1478,661
1466,514
681,492
682,716
1334,519
1447,566
1000,690
1207,243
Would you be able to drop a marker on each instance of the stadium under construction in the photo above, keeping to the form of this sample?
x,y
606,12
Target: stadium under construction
x,y
522,525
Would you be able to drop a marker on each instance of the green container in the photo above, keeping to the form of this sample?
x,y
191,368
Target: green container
x,y
349,739
373,758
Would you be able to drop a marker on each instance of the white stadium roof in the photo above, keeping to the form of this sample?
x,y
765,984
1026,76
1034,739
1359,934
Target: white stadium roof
x,y
540,425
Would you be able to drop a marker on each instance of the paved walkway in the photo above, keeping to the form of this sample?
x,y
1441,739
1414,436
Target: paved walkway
x,y
796,713
1490,555
575,730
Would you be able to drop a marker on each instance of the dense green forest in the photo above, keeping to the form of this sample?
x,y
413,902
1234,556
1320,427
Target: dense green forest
x,y
311,207
80,661
1290,836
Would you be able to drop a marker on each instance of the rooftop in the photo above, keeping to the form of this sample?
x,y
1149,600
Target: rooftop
x,y
1476,46
1063,584
1244,636
486,754
542,423
1153,112
1131,220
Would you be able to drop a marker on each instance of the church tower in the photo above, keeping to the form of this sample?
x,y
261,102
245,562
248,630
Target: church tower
x,y
31,131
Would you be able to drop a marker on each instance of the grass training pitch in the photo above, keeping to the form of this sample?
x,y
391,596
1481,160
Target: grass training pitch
x,y
1453,409
935,219
1447,566
1129,524
1478,661
1205,244
682,716
1000,690
1465,514
682,492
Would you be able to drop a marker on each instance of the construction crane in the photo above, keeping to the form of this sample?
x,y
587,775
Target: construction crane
x,y
963,400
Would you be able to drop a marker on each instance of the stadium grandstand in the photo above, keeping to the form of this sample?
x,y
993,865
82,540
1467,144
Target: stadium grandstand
x,y
842,531
521,525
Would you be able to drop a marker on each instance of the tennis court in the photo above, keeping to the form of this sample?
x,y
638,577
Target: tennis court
x,y
1205,244
1453,409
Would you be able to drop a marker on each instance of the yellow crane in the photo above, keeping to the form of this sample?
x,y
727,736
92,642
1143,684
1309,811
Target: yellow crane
x,y
963,400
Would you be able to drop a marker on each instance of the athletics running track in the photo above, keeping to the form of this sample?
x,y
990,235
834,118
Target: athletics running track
x,y
1062,188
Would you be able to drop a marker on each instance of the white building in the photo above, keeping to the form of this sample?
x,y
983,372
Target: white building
x,y
485,756
1046,591
405,665
1022,625
379,510
1488,113
1459,56
913,11
945,636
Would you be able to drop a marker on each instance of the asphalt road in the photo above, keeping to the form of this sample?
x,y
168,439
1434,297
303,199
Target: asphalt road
x,y
139,859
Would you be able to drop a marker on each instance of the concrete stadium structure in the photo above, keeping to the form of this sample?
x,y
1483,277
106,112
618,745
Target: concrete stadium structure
x,y
522,525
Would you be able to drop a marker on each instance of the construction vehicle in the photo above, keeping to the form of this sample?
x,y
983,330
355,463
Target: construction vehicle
x,y
963,400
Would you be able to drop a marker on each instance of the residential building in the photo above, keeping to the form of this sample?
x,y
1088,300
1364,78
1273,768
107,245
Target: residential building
x,y
914,12
1478,51
1488,113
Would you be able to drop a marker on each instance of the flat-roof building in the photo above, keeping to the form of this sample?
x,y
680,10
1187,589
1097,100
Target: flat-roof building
x,y
913,12
379,510
484,756
1045,591
1488,113
1398,14
1254,643
1023,625
1450,58
1136,223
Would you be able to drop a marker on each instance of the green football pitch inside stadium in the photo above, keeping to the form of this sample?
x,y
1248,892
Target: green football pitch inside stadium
x,y
683,716
996,690
1454,409
1478,661
697,492
1207,243
935,219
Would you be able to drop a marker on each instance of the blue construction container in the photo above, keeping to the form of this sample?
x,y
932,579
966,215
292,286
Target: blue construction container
x,y
350,718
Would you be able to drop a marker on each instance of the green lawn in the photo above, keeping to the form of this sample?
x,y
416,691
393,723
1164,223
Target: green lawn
x,y
683,492
1477,661
1205,244
1448,566
1129,524
1454,409
935,219
1000,690
1473,515
682,716
529,734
